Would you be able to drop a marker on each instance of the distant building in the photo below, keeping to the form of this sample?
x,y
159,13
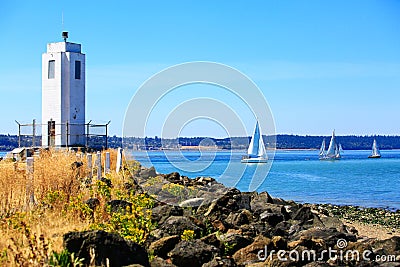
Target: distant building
x,y
63,94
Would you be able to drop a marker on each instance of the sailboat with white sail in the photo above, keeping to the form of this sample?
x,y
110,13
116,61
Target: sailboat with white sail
x,y
375,154
256,152
322,149
334,149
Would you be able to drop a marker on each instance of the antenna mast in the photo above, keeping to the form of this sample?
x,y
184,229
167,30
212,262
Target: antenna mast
x,y
64,33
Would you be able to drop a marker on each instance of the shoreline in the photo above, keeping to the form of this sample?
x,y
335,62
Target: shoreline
x,y
377,223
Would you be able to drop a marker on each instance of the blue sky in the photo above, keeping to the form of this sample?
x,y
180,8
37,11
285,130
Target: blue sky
x,y
320,64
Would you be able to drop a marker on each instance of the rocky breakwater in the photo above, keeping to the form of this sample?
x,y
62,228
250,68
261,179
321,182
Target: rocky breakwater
x,y
200,222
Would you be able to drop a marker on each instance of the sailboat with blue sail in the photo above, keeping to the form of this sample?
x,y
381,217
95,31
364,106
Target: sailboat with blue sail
x,y
256,152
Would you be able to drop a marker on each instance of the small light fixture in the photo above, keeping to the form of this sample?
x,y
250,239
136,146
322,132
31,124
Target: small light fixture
x,y
65,36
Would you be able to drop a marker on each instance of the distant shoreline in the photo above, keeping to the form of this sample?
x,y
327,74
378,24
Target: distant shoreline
x,y
282,142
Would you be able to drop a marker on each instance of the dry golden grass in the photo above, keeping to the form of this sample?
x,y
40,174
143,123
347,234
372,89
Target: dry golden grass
x,y
57,184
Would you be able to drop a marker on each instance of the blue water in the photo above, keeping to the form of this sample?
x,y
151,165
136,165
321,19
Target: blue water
x,y
295,175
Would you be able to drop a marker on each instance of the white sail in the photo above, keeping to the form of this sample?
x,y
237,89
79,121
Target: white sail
x,y
375,149
332,149
252,151
256,152
322,149
262,153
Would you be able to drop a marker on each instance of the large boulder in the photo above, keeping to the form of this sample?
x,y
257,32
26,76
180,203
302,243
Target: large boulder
x,y
232,242
160,213
237,219
106,246
259,202
306,217
160,262
173,177
146,173
220,262
330,236
175,225
192,253
250,254
231,201
164,245
271,219
387,247
119,205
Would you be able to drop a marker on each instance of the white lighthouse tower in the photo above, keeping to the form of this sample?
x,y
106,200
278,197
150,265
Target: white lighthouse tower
x,y
63,94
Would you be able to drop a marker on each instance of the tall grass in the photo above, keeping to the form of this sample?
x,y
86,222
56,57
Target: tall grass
x,y
60,189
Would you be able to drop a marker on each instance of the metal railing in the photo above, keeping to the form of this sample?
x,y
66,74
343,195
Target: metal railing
x,y
95,135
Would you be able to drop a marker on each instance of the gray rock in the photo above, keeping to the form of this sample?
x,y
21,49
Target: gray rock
x,y
306,217
175,225
164,245
161,213
390,264
281,229
271,218
245,200
220,262
146,173
329,235
233,242
237,219
118,251
317,264
192,253
389,246
248,255
258,202
119,205
159,262
212,239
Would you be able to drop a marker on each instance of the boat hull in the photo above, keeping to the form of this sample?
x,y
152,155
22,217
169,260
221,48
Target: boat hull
x,y
329,158
254,160
374,156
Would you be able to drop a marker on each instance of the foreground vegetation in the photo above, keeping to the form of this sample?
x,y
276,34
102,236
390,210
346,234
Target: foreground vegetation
x,y
31,234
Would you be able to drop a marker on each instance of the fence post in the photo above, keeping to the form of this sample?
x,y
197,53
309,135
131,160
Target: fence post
x,y
98,164
33,132
89,166
119,160
30,190
107,164
67,133
19,133
87,134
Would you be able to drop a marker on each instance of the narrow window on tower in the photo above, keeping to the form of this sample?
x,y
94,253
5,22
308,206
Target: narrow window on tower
x,y
77,69
51,70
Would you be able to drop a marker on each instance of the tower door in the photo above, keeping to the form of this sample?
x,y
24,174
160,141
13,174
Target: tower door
x,y
51,132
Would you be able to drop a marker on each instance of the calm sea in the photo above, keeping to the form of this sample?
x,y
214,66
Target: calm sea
x,y
295,175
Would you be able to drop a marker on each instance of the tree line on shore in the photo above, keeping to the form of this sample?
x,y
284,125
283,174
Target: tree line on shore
x,y
283,141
